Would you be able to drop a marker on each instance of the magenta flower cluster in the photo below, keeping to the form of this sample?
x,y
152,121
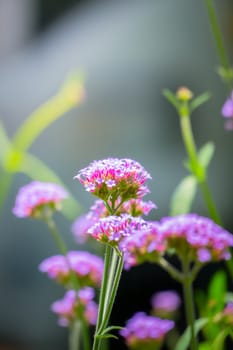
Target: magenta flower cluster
x,y
76,304
200,236
87,267
112,229
165,304
115,178
35,195
145,332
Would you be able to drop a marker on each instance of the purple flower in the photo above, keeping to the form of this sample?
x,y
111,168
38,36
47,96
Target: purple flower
x,y
88,268
165,303
145,244
112,229
227,112
199,237
76,304
145,332
114,178
36,195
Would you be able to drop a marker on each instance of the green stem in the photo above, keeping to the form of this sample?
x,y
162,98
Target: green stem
x,y
74,336
57,237
114,288
196,167
220,47
5,184
170,269
188,302
103,289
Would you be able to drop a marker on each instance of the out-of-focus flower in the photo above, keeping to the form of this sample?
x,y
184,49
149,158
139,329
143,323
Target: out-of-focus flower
x,y
76,305
134,207
196,236
145,244
143,332
88,268
114,178
184,94
112,229
165,304
35,196
227,112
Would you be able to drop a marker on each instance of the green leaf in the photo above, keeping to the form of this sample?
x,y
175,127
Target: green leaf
x,y
70,94
171,98
37,170
184,340
217,289
206,153
111,328
218,343
199,100
204,346
106,336
183,196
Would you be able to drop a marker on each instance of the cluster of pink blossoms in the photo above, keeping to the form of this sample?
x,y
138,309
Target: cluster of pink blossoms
x,y
165,303
199,237
87,267
76,304
113,229
134,207
145,332
35,195
115,178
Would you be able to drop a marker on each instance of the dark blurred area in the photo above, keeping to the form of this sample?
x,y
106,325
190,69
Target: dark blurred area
x,y
129,52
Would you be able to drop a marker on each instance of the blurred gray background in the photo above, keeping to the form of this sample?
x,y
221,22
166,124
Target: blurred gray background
x,y
129,50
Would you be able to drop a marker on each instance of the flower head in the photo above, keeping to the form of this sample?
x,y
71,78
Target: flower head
x,y
197,236
76,304
145,332
88,268
37,195
112,229
184,94
145,244
165,303
115,178
227,112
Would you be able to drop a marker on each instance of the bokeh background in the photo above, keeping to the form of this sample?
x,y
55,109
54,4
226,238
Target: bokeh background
x,y
129,52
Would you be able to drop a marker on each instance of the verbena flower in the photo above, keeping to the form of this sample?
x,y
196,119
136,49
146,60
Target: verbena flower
x,y
112,229
165,303
32,198
227,112
199,238
134,207
76,305
143,332
145,244
88,268
114,178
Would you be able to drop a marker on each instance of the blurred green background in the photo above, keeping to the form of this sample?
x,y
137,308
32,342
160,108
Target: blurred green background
x,y
129,52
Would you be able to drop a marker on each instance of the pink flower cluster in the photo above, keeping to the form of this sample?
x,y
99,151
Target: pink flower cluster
x,y
76,304
145,244
200,236
87,267
165,303
32,197
134,207
145,332
112,229
115,178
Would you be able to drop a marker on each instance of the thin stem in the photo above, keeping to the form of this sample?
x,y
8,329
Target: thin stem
x,y
74,336
113,293
220,47
107,261
196,167
188,301
111,276
57,237
170,269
